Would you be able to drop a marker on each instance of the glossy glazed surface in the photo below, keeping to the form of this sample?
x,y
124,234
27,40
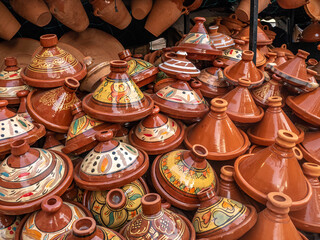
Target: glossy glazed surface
x,y
310,147
219,40
8,226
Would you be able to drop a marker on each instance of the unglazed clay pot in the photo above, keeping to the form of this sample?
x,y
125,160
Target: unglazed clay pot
x,y
54,218
222,28
274,169
241,106
287,4
114,208
222,218
52,108
29,175
82,130
140,8
244,69
157,133
217,133
310,147
10,81
9,25
274,222
312,8
9,225
86,229
179,175
218,40
118,98
157,222
243,10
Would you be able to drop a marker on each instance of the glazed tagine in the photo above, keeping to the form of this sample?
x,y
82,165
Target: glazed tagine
x,y
9,225
22,110
54,218
233,54
179,175
274,168
10,81
219,40
51,65
117,98
30,174
157,133
222,218
155,222
310,147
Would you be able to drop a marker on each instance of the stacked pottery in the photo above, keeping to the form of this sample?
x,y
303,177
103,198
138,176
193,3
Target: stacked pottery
x,y
218,40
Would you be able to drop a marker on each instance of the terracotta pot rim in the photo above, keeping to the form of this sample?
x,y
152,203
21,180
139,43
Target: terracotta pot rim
x,y
306,8
245,118
211,94
235,81
307,156
305,226
146,74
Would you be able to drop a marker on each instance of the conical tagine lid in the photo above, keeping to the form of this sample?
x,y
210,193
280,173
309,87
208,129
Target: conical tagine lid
x,y
117,99
274,168
217,133
30,174
14,127
260,56
51,65
219,40
157,133
179,175
262,38
310,147
110,164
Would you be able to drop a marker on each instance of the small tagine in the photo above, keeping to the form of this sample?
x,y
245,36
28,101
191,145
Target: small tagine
x,y
157,133
10,81
82,130
233,23
274,222
241,107
118,98
244,69
140,71
274,168
266,131
179,175
262,38
15,127
218,134
156,222
9,225
222,218
310,147
30,174
54,218
52,108
51,65
219,40
110,164
283,49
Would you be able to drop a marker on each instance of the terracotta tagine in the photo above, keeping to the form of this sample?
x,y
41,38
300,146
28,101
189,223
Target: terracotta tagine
x,y
232,55
286,4
310,147
281,58
9,225
233,23
82,130
244,69
51,65
140,71
10,81
217,133
241,106
110,164
212,80
180,174
262,38
122,135
283,48
54,218
275,119
311,33
274,222
222,218
197,43
117,99
312,8
218,40
14,127
157,133
22,110
260,55
114,208
158,223
274,168
222,28
30,174
52,108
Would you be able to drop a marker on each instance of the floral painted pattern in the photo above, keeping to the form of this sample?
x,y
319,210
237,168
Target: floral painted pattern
x,y
9,232
180,96
197,38
136,66
81,125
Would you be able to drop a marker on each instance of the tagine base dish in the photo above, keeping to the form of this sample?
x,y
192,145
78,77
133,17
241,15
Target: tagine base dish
x,y
307,156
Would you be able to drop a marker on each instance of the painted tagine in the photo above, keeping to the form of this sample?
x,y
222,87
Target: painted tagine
x,y
22,110
219,40
11,82
54,218
155,222
310,147
51,65
117,98
9,226
233,54
222,218
180,174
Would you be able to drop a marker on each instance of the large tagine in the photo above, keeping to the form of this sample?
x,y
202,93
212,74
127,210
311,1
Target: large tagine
x,y
118,98
157,133
10,81
217,133
110,164
30,174
54,218
222,218
179,175
219,40
156,222
15,127
310,147
52,108
51,65
9,225
274,168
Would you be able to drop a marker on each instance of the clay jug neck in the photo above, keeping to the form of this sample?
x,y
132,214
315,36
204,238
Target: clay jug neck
x,y
151,204
11,64
84,228
199,24
247,55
